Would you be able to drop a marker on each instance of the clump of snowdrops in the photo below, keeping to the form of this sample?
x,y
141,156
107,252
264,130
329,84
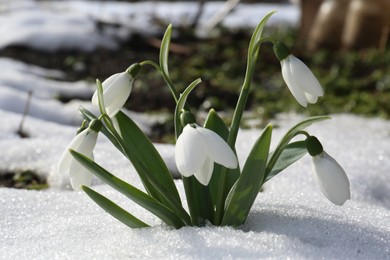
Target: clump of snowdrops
x,y
217,190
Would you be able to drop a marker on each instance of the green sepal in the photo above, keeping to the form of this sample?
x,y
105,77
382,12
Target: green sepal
x,y
287,138
281,51
314,147
134,70
114,210
291,153
186,117
136,195
95,125
246,189
216,124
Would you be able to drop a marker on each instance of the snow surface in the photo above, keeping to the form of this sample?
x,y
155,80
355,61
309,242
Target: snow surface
x,y
291,219
72,25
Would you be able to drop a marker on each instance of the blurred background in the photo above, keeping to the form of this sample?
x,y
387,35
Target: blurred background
x,y
344,42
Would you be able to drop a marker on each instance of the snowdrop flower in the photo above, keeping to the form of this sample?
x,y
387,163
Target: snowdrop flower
x,y
116,90
84,143
331,177
197,149
302,83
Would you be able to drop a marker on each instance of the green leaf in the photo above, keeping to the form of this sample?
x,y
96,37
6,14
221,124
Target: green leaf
x,y
291,153
198,200
215,123
254,45
150,166
136,195
244,192
288,136
113,209
164,50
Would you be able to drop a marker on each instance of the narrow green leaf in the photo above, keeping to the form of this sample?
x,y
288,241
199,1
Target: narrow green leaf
x,y
244,192
136,195
114,210
288,136
215,123
164,50
256,39
291,153
198,200
148,163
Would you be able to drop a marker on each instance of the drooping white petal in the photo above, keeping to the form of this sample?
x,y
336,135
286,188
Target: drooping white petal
x,y
83,143
331,178
116,90
88,143
203,175
289,79
310,98
190,152
304,77
79,175
105,84
66,158
217,149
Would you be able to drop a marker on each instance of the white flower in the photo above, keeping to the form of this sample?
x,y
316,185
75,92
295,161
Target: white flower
x,y
197,149
116,91
303,85
331,178
83,143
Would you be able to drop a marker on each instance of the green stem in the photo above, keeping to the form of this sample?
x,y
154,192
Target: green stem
x,y
151,63
279,150
166,78
237,116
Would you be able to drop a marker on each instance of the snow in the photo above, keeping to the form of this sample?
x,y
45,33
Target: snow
x,y
290,219
72,25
